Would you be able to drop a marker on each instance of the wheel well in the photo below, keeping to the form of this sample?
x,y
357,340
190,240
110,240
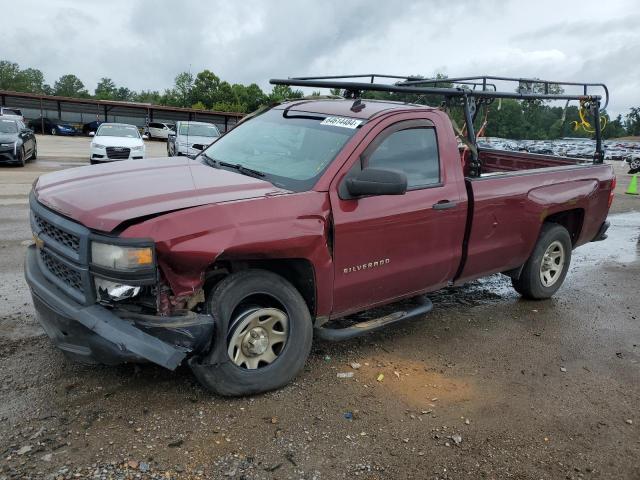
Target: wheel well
x,y
571,220
298,271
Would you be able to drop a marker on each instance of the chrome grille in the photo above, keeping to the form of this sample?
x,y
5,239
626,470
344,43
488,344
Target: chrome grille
x,y
69,276
64,238
118,153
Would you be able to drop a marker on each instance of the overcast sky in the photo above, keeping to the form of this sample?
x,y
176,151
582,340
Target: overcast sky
x,y
144,44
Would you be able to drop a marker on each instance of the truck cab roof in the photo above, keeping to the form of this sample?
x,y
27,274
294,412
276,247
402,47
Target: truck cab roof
x,y
365,108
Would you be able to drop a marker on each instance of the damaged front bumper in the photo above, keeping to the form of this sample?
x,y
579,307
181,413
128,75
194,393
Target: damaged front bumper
x,y
96,334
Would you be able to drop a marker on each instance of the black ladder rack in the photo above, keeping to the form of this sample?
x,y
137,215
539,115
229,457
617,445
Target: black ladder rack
x,y
470,91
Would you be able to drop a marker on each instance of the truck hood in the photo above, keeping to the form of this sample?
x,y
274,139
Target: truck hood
x,y
102,197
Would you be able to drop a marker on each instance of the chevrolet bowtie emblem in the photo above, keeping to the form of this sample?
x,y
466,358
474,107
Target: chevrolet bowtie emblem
x,y
38,241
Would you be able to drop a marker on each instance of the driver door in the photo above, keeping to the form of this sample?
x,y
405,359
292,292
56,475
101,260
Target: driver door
x,y
392,246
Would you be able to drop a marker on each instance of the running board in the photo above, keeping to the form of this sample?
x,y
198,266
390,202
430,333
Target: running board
x,y
368,326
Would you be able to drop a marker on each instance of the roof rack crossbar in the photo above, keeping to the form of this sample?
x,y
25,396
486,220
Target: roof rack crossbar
x,y
444,91
523,84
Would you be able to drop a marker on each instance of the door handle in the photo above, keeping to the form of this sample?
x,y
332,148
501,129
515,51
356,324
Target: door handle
x,y
444,205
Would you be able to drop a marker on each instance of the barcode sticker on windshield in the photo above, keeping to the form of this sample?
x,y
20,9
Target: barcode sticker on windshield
x,y
341,122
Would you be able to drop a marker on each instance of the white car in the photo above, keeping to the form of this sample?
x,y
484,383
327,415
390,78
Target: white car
x,y
10,113
159,130
116,141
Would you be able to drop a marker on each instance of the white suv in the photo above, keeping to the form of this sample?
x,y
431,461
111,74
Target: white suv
x,y
159,130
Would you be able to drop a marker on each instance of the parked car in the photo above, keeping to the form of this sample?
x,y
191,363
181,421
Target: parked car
x,y
17,142
190,138
51,126
159,130
11,113
301,215
633,160
116,141
87,128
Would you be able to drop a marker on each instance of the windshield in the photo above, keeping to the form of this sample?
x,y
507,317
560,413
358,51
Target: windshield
x,y
128,131
292,149
8,127
198,130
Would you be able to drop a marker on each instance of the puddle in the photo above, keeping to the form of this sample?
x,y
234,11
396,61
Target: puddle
x,y
621,246
415,383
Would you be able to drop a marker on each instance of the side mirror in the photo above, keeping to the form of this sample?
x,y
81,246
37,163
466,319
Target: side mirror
x,y
377,181
145,137
92,134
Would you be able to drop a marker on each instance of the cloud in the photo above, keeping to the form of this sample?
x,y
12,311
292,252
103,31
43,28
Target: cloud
x,y
144,44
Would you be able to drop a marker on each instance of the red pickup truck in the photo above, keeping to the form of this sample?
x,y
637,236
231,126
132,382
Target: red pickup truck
x,y
305,213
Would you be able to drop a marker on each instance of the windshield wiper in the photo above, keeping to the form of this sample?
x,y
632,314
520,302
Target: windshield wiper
x,y
242,169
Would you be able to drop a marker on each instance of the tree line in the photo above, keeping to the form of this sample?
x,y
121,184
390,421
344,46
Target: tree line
x,y
507,118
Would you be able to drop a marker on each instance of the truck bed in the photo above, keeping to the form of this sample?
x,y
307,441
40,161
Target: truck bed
x,y
517,193
504,161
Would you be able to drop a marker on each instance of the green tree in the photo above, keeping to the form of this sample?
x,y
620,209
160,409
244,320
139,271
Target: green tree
x,y
106,89
183,87
70,86
30,80
8,73
633,121
205,88
284,92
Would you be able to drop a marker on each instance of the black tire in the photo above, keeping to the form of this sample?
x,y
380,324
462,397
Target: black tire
x,y
530,284
34,154
22,160
216,370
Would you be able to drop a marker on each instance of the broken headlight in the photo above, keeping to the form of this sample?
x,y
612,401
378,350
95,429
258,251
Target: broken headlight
x,y
106,290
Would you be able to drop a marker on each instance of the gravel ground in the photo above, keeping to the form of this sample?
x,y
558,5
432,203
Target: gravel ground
x,y
486,386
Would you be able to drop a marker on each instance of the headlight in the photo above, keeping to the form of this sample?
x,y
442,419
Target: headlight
x,y
97,145
121,258
108,290
6,144
138,149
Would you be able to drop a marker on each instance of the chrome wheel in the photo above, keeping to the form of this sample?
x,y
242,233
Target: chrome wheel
x,y
257,337
552,264
635,163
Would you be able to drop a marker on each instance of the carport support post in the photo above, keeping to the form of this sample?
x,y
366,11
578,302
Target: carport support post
x,y
59,110
226,123
41,117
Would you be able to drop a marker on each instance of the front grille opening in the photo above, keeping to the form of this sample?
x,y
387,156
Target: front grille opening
x,y
61,271
118,153
57,234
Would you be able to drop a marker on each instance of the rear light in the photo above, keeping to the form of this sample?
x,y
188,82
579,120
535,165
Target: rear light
x,y
612,192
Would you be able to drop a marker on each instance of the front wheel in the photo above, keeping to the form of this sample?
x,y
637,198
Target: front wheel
x,y
547,266
263,335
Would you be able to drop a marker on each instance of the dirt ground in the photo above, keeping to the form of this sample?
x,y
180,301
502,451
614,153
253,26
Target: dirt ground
x,y
486,386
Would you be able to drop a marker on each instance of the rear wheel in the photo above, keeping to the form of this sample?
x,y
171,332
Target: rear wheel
x,y
547,266
264,335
